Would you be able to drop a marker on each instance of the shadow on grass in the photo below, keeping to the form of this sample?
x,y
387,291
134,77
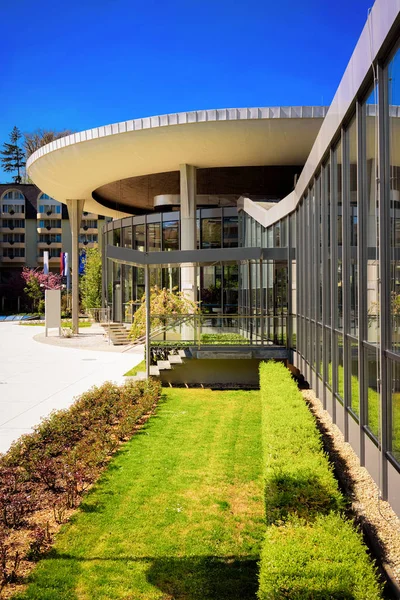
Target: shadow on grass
x,y
192,578
301,495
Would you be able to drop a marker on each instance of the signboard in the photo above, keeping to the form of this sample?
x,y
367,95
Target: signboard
x,y
52,302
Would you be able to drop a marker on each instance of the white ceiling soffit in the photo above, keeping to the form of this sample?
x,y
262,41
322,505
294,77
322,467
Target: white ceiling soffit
x,y
73,166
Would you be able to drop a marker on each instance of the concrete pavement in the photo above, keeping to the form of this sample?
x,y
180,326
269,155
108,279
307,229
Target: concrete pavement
x,y
37,378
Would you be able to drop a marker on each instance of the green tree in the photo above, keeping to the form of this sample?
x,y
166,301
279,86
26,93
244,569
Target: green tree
x,y
164,303
12,156
90,284
35,293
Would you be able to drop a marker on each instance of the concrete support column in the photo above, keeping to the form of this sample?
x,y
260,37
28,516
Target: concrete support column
x,y
188,227
75,208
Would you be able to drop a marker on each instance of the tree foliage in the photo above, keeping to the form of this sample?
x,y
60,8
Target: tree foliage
x,y
37,282
164,303
12,156
90,284
40,137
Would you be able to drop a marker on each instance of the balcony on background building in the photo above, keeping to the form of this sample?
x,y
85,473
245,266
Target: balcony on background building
x,y
6,227
47,245
53,260
85,245
12,244
51,213
89,215
13,211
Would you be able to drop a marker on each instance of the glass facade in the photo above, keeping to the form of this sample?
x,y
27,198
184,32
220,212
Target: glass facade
x,y
348,261
328,285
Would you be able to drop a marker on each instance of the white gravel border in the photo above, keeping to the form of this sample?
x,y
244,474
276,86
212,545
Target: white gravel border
x,y
377,515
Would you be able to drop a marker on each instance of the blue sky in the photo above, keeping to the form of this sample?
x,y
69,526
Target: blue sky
x,y
85,63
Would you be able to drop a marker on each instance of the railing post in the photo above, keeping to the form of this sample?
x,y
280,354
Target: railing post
x,y
147,292
262,301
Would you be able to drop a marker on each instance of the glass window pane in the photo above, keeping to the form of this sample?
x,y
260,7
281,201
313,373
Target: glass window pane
x,y
396,410
354,402
371,209
340,367
211,231
127,237
394,149
154,238
353,228
231,232
117,237
338,202
372,392
139,238
170,235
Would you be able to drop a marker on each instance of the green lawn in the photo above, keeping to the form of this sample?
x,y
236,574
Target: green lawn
x,y
63,324
179,513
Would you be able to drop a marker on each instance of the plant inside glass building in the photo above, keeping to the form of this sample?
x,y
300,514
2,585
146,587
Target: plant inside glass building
x,y
165,305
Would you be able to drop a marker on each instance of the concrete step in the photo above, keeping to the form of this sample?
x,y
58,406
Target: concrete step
x,y
141,375
163,365
154,370
174,359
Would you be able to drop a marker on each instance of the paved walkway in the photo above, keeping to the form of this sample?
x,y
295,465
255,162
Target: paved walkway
x,y
36,378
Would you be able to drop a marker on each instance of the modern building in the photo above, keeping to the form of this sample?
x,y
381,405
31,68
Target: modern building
x,y
283,220
32,222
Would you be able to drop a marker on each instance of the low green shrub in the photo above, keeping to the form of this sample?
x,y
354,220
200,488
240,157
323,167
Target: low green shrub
x,y
321,559
310,550
66,451
223,338
52,467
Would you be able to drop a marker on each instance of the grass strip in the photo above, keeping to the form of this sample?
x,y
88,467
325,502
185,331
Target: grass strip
x,y
178,513
82,324
310,550
135,370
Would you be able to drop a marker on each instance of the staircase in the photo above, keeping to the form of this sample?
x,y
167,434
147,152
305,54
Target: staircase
x,y
163,365
117,332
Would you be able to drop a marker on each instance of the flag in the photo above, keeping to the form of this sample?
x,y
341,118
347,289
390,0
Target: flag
x,y
82,262
62,269
66,270
65,260
46,262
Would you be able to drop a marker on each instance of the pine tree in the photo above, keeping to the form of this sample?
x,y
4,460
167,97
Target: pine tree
x,y
12,156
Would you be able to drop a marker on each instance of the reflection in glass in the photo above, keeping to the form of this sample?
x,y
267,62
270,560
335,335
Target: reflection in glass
x,y
395,369
230,289
371,208
354,401
230,232
127,237
153,237
338,201
372,392
353,238
211,231
326,191
117,237
170,235
340,368
328,350
394,206
139,238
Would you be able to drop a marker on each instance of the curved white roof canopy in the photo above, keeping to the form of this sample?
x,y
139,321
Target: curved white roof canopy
x,y
74,166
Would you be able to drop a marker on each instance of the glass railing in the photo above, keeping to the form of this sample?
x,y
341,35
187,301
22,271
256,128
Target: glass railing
x,y
220,329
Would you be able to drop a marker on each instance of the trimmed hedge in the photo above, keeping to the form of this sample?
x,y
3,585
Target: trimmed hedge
x,y
310,550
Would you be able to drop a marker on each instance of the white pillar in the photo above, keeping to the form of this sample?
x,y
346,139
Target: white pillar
x,y
75,208
188,227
